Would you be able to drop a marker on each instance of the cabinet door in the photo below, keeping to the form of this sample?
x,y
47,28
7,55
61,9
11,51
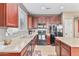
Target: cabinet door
x,y
2,14
29,51
29,22
65,50
12,15
48,39
57,48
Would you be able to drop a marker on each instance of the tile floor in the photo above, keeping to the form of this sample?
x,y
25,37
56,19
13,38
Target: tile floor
x,y
46,50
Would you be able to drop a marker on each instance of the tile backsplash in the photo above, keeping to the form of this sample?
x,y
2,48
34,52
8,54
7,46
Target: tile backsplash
x,y
11,33
2,33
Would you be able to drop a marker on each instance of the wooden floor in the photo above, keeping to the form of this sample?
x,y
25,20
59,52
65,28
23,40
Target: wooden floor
x,y
44,50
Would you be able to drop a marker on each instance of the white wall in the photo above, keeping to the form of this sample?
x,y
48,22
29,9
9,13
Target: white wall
x,y
22,20
71,15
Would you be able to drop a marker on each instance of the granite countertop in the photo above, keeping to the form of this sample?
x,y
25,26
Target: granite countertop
x,y
73,42
17,44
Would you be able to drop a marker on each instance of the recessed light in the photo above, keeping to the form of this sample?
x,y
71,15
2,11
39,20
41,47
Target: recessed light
x,y
61,7
48,8
43,8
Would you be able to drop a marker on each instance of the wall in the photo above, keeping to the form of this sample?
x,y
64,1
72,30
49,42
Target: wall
x,y
71,15
76,28
55,19
22,20
2,33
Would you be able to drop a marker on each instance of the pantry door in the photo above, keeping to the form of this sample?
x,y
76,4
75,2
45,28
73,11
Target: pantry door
x,y
68,28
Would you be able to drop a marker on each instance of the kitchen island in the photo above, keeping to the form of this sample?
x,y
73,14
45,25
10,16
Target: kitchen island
x,y
67,46
22,46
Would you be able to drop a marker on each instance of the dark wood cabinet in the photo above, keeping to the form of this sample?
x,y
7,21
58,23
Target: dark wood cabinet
x,y
8,15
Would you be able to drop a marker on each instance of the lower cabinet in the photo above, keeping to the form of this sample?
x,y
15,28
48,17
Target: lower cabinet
x,y
62,49
33,43
26,51
57,47
65,50
30,48
48,39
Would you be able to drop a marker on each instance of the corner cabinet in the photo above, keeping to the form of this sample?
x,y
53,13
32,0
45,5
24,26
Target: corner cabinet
x,y
8,15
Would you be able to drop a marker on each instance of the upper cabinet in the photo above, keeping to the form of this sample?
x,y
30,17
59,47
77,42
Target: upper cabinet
x,y
8,15
29,22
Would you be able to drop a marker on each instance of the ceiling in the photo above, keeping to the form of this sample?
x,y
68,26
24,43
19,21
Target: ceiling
x,y
51,8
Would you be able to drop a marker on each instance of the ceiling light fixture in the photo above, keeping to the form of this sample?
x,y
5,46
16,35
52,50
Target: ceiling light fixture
x,y
61,7
43,8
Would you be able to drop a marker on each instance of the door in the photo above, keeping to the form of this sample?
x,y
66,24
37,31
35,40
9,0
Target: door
x,y
68,28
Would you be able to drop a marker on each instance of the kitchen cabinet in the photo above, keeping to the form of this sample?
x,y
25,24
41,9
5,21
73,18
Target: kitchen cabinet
x,y
56,19
24,52
34,43
48,39
61,48
30,47
58,47
8,15
65,50
29,22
